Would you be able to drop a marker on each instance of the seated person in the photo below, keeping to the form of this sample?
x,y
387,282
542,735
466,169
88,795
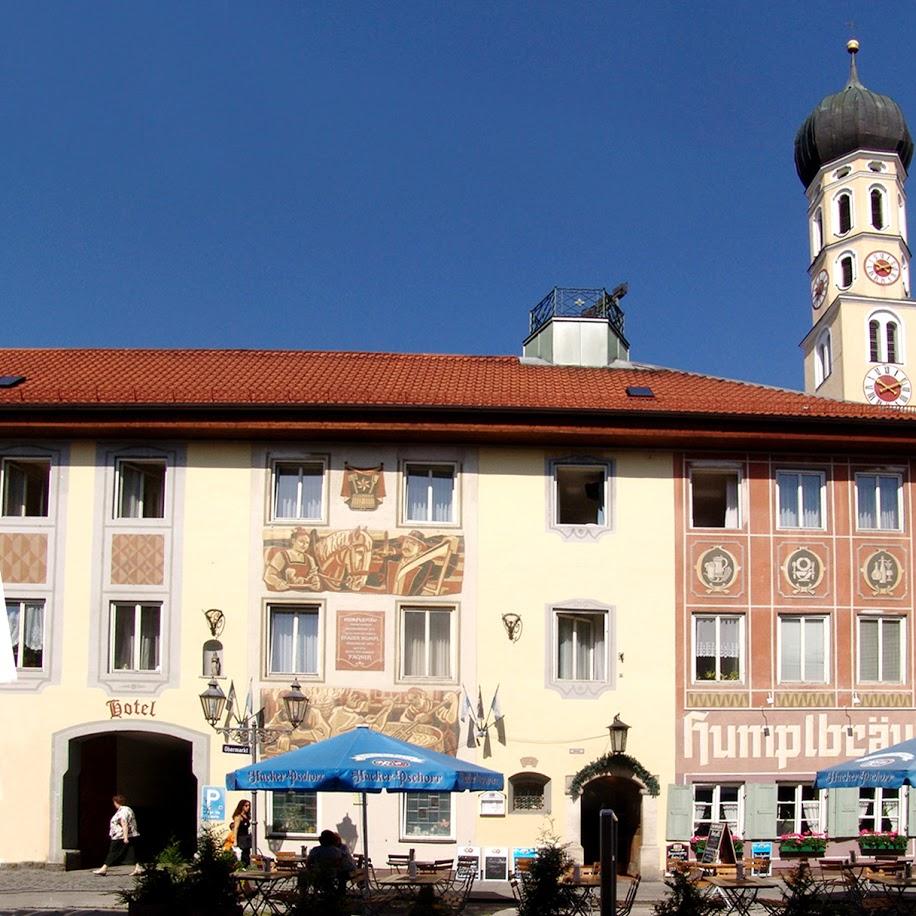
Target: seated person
x,y
330,862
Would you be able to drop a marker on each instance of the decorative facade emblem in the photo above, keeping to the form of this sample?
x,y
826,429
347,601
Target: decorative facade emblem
x,y
717,569
803,570
882,572
363,488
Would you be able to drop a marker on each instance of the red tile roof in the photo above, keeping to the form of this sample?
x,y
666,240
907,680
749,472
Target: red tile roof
x,y
129,378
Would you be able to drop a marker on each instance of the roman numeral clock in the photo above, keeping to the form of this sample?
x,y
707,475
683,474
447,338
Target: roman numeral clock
x,y
887,384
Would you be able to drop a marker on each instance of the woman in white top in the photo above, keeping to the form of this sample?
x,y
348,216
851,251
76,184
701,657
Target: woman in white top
x,y
123,833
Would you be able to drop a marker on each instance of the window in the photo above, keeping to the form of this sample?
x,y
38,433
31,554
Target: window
x,y
799,809
879,809
714,498
581,495
27,633
427,643
817,232
293,640
718,647
877,208
298,491
293,812
801,496
843,212
823,358
881,649
878,502
134,639
26,485
712,804
580,638
847,271
430,493
427,814
140,489
884,338
529,793
803,649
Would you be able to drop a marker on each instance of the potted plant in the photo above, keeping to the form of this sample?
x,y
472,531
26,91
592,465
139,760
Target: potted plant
x,y
881,841
542,891
175,886
802,844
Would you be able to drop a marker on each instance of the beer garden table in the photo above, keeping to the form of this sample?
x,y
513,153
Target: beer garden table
x,y
740,893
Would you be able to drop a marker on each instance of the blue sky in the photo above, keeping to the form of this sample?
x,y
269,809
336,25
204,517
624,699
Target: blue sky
x,y
415,176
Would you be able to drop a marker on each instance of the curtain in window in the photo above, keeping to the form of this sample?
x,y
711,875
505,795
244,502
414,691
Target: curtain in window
x,y
815,658
287,488
442,485
788,500
131,491
294,642
729,637
580,647
887,489
868,650
890,650
811,812
414,643
731,497
867,494
149,638
439,643
417,495
811,500
790,657
123,637
312,479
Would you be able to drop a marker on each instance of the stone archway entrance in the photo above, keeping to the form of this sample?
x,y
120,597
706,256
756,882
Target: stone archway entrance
x,y
624,796
154,770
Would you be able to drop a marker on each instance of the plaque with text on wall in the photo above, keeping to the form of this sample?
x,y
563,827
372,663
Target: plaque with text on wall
x,y
360,640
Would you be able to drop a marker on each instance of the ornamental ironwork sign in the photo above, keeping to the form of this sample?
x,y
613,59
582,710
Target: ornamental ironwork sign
x,y
882,572
717,569
803,570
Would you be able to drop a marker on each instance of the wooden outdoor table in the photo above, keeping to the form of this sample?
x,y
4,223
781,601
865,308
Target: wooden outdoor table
x,y
897,887
740,893
423,884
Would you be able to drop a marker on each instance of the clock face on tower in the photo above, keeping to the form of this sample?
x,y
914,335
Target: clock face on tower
x,y
887,384
819,289
882,267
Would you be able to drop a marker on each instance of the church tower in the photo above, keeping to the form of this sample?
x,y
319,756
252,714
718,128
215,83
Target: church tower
x,y
852,154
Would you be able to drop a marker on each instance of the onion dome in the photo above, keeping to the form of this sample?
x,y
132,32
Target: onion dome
x,y
853,119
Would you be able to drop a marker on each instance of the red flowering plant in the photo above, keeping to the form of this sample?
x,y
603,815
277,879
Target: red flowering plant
x,y
876,841
803,842
698,844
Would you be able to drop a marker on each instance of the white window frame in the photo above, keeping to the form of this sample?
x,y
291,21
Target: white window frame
x,y
427,520
742,652
817,232
823,358
803,679
718,807
861,475
319,463
822,501
698,470
15,460
135,670
315,609
885,317
800,818
292,834
23,671
414,607
883,621
874,821
838,269
591,615
845,192
141,519
601,467
410,798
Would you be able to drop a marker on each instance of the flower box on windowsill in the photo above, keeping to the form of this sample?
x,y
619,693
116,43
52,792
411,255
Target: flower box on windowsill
x,y
803,848
881,842
698,846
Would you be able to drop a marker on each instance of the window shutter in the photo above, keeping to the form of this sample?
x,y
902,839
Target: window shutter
x,y
843,813
911,812
680,813
760,810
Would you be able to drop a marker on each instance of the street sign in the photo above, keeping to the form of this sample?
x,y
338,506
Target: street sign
x,y
212,803
236,749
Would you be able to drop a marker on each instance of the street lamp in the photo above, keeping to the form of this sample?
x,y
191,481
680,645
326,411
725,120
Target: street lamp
x,y
248,732
618,732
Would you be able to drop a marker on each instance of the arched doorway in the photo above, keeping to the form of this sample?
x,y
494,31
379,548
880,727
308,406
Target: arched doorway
x,y
154,771
622,795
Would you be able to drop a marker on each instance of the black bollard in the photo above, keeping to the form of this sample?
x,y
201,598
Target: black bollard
x,y
608,854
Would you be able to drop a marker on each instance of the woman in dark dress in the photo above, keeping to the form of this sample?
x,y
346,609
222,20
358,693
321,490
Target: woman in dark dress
x,y
241,830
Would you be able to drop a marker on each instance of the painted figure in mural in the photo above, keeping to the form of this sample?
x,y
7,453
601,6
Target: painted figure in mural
x,y
354,709
344,559
123,833
292,566
422,568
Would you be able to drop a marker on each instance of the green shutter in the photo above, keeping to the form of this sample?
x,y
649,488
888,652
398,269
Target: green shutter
x,y
842,813
911,811
760,811
680,813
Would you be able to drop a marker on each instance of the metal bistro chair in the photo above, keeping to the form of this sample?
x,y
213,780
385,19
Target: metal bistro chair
x,y
398,862
623,908
456,896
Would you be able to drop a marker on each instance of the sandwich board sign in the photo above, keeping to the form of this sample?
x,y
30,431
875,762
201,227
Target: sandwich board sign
x,y
720,847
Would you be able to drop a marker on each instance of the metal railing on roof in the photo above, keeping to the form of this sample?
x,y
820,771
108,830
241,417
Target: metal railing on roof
x,y
564,302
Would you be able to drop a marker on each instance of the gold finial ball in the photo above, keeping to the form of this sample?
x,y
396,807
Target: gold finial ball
x,y
852,46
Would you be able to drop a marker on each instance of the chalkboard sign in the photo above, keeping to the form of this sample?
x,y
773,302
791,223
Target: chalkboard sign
x,y
719,845
675,853
495,864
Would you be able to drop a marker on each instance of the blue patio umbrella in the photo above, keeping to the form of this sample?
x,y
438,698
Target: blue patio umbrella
x,y
890,767
363,760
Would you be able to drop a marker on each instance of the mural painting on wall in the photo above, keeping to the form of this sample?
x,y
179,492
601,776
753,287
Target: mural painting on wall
x,y
881,572
363,488
428,718
804,571
717,569
359,560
